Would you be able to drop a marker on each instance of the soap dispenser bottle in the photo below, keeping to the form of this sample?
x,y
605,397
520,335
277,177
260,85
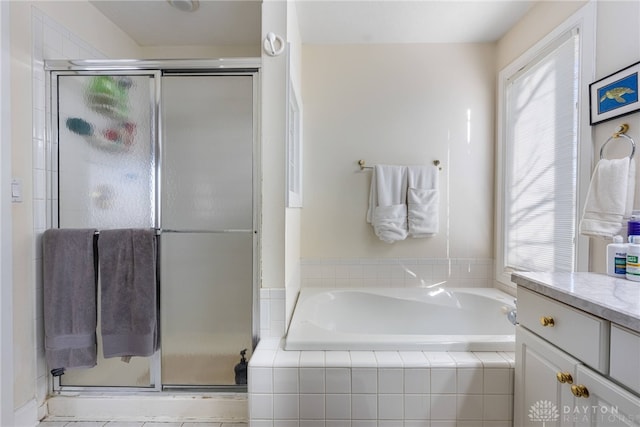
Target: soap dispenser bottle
x,y
617,258
241,369
633,259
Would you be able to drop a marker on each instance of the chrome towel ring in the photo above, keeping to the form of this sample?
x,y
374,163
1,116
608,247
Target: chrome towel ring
x,y
621,132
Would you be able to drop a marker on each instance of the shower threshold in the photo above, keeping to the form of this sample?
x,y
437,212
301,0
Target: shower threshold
x,y
178,406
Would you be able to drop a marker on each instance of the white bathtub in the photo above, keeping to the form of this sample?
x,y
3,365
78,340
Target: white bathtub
x,y
461,319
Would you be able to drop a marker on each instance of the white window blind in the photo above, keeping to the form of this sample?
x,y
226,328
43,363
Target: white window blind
x,y
541,160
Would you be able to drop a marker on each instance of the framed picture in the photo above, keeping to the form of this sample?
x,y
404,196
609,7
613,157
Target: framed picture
x,y
614,95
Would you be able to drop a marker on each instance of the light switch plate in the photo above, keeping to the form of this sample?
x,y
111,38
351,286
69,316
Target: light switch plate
x,y
16,190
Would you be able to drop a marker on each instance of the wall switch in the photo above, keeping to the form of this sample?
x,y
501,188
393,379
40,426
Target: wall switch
x,y
16,190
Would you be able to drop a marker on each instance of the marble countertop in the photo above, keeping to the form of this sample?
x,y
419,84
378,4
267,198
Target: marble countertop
x,y
614,299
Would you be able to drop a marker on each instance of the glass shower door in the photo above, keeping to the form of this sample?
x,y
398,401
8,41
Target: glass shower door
x,y
106,179
207,226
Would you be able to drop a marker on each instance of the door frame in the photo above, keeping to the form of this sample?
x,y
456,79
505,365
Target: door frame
x,y
6,240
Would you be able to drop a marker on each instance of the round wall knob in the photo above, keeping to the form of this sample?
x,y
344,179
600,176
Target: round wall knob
x,y
579,391
547,321
273,44
564,377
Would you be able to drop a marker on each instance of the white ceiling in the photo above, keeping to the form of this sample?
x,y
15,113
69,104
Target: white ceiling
x,y
215,22
237,22
400,21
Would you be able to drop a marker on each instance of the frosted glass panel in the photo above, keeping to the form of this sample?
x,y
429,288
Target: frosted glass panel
x,y
110,372
106,180
207,152
206,305
106,158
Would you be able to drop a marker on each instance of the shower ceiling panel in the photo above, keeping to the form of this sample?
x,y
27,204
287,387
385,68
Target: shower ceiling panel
x,y
224,23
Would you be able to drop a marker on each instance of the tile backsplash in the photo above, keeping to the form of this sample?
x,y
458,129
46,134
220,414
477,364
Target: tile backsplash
x,y
272,312
396,272
51,40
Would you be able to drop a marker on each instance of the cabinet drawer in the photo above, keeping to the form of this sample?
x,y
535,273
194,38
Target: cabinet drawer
x,y
625,362
580,334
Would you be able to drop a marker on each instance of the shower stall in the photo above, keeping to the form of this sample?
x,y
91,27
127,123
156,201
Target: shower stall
x,y
168,145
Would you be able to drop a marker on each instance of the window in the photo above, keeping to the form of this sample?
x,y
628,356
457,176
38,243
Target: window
x,y
541,161
540,168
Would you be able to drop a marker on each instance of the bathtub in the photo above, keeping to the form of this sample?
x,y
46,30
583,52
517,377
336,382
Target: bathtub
x,y
421,319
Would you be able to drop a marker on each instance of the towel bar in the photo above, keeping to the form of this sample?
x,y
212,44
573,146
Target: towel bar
x,y
158,232
363,166
621,132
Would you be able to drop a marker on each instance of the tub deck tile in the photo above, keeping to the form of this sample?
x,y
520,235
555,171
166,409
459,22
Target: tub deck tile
x,y
491,359
414,359
510,356
465,359
265,353
382,388
439,358
312,359
388,359
286,359
364,359
337,359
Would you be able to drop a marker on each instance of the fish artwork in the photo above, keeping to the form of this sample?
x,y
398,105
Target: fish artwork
x,y
617,93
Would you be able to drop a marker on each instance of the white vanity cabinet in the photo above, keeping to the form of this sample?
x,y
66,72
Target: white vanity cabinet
x,y
574,368
625,357
605,403
582,335
542,382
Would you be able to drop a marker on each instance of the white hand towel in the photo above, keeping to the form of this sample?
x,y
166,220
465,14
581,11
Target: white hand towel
x,y
387,211
609,198
422,200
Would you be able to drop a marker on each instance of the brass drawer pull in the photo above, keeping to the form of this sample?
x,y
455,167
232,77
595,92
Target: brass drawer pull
x,y
564,377
547,321
579,391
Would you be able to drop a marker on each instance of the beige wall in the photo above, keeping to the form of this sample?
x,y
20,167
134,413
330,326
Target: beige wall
x,y
23,279
6,283
397,104
537,23
617,46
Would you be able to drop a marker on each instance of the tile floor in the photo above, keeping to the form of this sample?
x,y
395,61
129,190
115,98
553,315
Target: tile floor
x,y
136,424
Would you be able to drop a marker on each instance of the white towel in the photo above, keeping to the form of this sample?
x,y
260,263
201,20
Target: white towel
x,y
422,200
609,198
387,211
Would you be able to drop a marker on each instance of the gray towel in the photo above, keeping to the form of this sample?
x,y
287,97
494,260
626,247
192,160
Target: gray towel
x,y
129,292
69,276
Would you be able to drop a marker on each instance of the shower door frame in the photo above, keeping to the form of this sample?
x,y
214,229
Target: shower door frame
x,y
156,68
